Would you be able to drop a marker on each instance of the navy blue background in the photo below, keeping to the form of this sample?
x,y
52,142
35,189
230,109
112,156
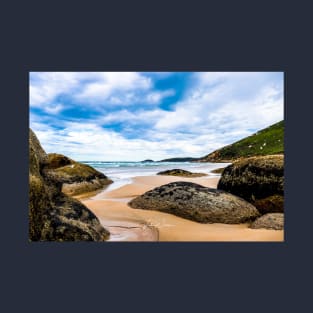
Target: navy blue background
x,y
145,36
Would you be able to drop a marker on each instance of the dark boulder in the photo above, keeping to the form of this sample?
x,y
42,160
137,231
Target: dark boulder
x,y
269,221
197,203
271,204
182,173
255,179
53,216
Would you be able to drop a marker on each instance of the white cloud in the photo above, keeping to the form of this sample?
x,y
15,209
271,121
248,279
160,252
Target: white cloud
x,y
222,100
54,108
95,89
217,109
46,86
110,84
105,145
157,96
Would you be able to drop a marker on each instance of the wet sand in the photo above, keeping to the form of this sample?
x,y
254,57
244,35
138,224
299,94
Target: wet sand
x,y
127,224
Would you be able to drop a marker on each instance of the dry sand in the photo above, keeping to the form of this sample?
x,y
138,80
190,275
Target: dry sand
x,y
127,224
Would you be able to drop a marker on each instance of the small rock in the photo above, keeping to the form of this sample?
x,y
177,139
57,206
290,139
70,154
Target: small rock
x,y
182,173
269,221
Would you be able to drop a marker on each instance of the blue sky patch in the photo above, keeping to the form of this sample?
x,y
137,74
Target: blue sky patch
x,y
109,116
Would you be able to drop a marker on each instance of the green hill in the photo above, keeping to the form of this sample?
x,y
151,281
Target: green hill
x,y
264,142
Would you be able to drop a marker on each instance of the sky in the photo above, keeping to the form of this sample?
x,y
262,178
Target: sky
x,y
133,116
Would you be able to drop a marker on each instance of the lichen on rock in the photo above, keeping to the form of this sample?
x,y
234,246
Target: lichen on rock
x,y
75,177
197,203
259,180
54,216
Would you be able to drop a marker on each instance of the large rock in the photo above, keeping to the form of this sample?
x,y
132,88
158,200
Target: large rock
x,y
269,221
75,177
53,215
179,172
197,203
259,180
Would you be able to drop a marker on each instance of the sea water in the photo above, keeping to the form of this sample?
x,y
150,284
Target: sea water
x,y
122,172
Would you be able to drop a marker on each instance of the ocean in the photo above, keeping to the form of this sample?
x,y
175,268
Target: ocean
x,y
121,172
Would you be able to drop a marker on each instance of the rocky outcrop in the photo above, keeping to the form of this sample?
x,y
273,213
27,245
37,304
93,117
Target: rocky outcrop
x,y
259,180
269,221
75,177
197,203
54,216
183,173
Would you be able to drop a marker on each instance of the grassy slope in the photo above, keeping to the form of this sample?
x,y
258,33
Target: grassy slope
x,y
272,136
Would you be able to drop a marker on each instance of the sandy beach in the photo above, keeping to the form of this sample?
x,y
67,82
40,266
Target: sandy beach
x,y
128,224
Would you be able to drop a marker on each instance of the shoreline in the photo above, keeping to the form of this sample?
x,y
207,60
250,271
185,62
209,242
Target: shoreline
x,y
128,224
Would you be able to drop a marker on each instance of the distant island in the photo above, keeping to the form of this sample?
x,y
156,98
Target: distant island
x,y
179,160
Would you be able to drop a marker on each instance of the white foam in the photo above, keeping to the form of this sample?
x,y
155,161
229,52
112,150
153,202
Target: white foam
x,y
122,172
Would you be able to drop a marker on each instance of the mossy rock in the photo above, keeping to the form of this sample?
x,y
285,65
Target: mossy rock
x,y
55,160
53,216
36,148
256,178
75,177
39,206
69,171
181,173
60,228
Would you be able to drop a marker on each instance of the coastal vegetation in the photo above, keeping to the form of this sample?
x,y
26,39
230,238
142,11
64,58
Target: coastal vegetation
x,y
267,141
